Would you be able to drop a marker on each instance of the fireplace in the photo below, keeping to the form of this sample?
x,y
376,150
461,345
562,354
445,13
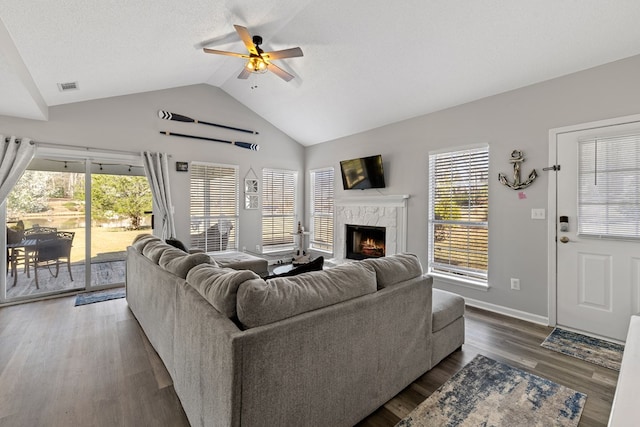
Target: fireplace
x,y
388,212
365,241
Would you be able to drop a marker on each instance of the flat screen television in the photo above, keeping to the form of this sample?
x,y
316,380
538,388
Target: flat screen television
x,y
362,173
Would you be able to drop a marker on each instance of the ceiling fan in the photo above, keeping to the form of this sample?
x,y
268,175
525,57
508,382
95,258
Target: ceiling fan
x,y
258,60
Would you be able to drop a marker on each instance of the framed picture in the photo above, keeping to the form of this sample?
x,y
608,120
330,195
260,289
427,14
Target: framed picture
x,y
182,166
251,201
251,186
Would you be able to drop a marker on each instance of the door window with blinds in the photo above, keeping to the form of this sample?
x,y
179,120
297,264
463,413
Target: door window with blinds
x,y
322,209
609,187
458,214
214,207
278,209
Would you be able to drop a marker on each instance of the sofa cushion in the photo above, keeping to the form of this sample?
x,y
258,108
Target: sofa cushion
x,y
179,263
394,269
261,303
447,307
141,240
154,250
219,286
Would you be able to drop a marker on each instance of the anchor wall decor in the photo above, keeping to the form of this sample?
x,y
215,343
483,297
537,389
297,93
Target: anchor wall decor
x,y
517,158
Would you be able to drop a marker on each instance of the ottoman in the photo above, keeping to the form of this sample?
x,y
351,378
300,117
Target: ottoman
x,y
241,261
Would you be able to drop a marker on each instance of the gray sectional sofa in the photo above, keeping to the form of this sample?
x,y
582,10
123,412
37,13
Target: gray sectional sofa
x,y
322,348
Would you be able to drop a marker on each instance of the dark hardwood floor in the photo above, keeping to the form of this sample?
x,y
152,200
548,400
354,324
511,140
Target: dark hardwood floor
x,y
62,365
516,343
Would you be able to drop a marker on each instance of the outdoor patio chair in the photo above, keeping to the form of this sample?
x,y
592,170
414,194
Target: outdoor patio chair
x,y
30,238
14,236
50,252
215,238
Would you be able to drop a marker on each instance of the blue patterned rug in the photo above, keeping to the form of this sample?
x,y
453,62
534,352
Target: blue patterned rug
x,y
99,296
593,350
489,393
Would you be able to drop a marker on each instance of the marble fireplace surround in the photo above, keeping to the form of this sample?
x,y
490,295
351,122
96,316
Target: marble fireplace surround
x,y
378,211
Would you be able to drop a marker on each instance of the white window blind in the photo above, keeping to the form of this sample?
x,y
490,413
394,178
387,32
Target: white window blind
x,y
278,209
214,207
322,209
609,187
458,212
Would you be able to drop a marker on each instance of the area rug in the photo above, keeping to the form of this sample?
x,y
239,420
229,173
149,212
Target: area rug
x,y
489,393
593,350
99,296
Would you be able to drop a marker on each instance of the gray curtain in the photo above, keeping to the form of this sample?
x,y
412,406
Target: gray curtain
x,y
156,167
16,155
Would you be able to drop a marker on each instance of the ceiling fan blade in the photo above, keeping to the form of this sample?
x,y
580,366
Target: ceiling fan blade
x,y
244,74
222,52
281,54
279,72
246,39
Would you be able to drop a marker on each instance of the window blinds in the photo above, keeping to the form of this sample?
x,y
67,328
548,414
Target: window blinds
x,y
322,209
278,208
458,212
214,206
609,187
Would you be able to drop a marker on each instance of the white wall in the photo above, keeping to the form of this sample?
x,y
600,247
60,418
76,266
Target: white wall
x,y
131,123
520,119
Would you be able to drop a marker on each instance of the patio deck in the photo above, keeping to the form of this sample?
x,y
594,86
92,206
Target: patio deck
x,y
104,271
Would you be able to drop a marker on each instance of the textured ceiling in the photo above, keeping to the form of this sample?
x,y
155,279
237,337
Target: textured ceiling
x,y
365,64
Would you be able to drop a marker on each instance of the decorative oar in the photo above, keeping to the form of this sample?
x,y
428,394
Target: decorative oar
x,y
247,145
167,115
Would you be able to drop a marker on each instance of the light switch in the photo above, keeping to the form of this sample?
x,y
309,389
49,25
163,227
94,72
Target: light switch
x,y
538,214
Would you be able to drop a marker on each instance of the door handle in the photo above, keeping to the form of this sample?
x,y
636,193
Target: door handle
x,y
564,239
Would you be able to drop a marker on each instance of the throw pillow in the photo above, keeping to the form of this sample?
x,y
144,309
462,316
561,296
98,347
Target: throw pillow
x,y
177,244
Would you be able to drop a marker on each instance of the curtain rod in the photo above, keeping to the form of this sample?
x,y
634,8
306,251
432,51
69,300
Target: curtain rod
x,y
77,147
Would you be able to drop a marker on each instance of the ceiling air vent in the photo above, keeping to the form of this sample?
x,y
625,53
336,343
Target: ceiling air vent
x,y
64,87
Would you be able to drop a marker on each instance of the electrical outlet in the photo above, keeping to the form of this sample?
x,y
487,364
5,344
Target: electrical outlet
x,y
515,284
244,249
258,248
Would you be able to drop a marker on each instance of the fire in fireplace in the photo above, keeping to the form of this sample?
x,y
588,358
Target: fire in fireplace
x,y
365,241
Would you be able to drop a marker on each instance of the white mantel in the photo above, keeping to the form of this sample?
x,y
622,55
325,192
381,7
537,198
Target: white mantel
x,y
376,211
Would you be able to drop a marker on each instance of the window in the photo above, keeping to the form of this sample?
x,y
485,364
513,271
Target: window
x,y
278,209
214,207
322,209
458,208
609,187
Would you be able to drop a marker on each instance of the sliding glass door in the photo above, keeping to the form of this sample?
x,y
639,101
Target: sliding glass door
x,y
69,220
118,203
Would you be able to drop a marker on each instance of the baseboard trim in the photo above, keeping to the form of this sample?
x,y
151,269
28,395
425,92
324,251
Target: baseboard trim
x,y
522,315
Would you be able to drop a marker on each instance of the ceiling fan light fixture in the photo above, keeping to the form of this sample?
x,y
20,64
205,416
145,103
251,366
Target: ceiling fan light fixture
x,y
259,61
256,65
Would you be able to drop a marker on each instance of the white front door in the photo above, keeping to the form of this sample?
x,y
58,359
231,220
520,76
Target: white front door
x,y
598,251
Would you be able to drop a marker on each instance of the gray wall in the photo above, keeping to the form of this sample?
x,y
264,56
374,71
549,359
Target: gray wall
x,y
131,123
520,119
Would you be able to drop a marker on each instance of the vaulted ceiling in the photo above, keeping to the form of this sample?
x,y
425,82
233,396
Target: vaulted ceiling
x,y
365,64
